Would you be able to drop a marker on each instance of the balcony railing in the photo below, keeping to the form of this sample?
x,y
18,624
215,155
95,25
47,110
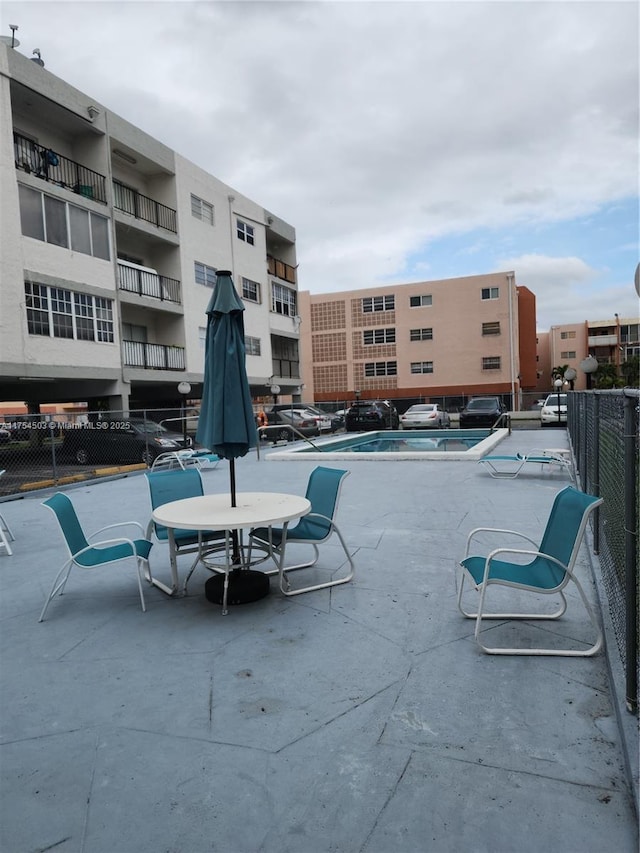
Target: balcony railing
x,y
152,356
47,164
602,340
145,283
131,201
284,271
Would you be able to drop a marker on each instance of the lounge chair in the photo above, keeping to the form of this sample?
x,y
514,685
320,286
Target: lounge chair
x,y
548,573
543,458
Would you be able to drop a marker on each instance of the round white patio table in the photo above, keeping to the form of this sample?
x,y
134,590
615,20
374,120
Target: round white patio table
x,y
214,512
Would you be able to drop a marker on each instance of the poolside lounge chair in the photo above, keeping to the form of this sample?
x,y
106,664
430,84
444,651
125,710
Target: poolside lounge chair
x,y
91,555
544,458
181,459
548,573
323,492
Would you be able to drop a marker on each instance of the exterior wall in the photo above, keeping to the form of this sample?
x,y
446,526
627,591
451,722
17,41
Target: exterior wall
x,y
335,354
47,113
527,339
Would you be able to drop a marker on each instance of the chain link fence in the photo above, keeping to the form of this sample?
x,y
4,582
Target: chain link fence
x,y
41,450
603,428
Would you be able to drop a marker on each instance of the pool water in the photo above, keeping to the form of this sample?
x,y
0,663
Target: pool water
x,y
446,444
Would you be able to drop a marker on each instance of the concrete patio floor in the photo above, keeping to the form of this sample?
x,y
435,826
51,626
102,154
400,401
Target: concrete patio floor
x,y
362,718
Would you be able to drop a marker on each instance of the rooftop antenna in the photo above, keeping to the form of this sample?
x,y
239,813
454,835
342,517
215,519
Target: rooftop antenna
x,y
38,58
11,40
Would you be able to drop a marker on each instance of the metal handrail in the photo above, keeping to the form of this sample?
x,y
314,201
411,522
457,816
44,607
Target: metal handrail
x,y
506,416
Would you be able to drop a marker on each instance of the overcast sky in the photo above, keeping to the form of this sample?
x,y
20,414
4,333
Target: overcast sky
x,y
404,141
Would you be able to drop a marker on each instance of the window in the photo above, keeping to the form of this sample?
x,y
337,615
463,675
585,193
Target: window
x,y
381,368
252,345
490,292
201,209
420,301
202,337
568,354
245,232
250,290
491,328
204,274
378,303
283,300
421,335
566,335
422,367
58,313
63,224
491,363
379,336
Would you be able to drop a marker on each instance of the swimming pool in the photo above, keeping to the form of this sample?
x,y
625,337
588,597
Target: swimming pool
x,y
399,445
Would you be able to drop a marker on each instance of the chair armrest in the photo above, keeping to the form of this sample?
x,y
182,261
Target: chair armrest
x,y
521,551
495,530
120,524
119,541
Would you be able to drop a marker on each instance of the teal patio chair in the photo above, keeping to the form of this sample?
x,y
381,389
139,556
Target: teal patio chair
x,y
92,555
323,492
548,573
6,535
175,485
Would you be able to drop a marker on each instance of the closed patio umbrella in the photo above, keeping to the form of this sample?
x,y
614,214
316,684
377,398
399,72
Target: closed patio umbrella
x,y
226,424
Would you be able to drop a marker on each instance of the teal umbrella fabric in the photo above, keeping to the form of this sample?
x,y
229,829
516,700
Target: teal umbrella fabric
x,y
226,424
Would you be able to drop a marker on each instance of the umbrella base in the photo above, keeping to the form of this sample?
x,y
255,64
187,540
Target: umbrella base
x,y
245,585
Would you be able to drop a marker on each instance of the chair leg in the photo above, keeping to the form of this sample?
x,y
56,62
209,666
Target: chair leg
x,y
57,587
539,652
4,542
285,586
142,572
5,527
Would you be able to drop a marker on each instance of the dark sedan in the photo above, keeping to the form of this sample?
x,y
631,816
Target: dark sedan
x,y
131,440
481,412
371,415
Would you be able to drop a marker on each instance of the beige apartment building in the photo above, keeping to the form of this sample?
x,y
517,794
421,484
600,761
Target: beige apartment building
x,y
449,338
612,341
109,249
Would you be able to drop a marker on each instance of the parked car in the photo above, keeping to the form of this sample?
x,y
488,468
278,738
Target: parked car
x,y
328,423
537,405
481,412
281,421
370,415
549,412
5,435
126,441
425,416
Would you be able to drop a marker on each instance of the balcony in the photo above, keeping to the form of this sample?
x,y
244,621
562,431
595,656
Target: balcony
x,y
56,169
152,356
131,201
284,369
147,282
602,340
278,268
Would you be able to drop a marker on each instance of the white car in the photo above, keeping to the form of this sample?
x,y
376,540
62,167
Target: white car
x,y
323,421
552,414
425,416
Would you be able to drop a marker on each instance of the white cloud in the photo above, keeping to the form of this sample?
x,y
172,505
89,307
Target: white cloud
x,y
373,127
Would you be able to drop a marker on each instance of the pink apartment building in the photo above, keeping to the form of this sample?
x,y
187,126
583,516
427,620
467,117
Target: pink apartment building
x,y
453,337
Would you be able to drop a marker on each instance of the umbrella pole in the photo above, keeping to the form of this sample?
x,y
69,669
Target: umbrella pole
x,y
234,533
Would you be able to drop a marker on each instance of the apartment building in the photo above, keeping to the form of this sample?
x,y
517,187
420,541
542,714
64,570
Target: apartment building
x,y
110,245
453,337
612,341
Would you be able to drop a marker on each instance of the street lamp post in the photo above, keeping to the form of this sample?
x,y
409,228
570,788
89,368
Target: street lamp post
x,y
589,365
275,390
558,384
357,393
183,389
